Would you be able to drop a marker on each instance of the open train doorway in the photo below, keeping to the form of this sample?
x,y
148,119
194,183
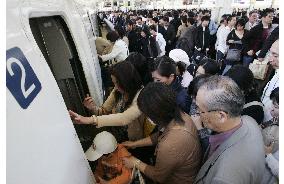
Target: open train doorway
x,y
59,50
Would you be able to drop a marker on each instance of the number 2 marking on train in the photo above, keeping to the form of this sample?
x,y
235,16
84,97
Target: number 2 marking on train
x,y
26,93
21,80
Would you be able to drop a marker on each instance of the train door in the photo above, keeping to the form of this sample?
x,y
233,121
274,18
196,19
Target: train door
x,y
59,50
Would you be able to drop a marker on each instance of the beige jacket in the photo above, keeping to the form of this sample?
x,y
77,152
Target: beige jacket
x,y
178,154
181,30
103,46
133,117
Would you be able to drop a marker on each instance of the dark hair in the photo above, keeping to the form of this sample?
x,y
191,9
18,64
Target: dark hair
x,y
184,44
191,20
243,76
129,22
191,14
230,17
166,18
158,102
164,65
181,67
210,66
224,17
120,31
127,78
139,18
241,22
195,84
184,20
155,19
141,65
175,14
112,36
274,96
146,31
265,12
205,18
205,11
251,12
153,27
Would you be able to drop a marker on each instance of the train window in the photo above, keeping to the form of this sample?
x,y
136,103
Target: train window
x,y
57,46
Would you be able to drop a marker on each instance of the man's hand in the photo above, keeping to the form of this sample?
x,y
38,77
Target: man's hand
x,y
250,53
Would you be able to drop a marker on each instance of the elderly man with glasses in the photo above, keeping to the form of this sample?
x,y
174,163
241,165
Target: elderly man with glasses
x,y
235,153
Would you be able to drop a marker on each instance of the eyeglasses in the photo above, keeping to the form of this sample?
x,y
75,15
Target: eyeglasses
x,y
198,112
201,112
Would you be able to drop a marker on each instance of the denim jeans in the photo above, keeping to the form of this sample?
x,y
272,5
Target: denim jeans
x,y
227,68
247,60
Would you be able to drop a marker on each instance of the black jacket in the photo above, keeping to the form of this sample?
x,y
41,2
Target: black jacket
x,y
133,41
162,30
182,98
148,45
232,36
250,39
270,40
202,36
190,35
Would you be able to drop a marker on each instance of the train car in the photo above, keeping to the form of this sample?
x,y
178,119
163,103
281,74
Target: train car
x,y
51,64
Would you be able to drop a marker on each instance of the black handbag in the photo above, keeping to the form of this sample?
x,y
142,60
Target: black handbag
x,y
233,55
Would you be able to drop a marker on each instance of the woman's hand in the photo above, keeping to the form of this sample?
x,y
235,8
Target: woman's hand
x,y
129,144
81,119
129,162
89,103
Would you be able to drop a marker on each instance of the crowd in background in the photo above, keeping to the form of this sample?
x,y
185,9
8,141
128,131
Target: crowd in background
x,y
185,99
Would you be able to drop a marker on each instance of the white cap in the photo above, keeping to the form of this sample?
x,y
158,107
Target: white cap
x,y
179,55
103,143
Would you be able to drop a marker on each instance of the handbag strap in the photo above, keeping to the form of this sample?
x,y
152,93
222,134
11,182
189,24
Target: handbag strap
x,y
253,103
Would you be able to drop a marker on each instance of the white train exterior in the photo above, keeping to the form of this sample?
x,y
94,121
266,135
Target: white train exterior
x,y
50,48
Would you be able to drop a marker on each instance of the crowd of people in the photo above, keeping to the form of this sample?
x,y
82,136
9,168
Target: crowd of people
x,y
184,104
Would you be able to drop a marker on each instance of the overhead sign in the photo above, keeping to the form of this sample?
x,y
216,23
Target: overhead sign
x,y
21,79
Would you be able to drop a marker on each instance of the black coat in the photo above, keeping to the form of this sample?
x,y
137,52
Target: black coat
x,y
253,35
199,38
170,38
232,36
190,35
162,30
148,44
133,41
270,40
